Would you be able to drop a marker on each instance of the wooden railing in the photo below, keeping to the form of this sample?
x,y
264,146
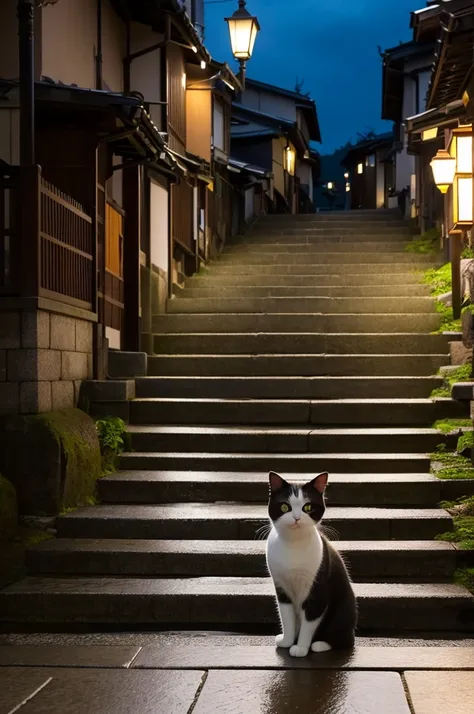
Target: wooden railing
x,y
66,248
47,241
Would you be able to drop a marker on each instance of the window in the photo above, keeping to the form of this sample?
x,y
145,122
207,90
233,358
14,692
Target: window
x,y
290,160
360,169
370,161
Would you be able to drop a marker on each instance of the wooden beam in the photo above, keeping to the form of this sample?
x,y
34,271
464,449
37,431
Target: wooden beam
x,y
456,241
132,197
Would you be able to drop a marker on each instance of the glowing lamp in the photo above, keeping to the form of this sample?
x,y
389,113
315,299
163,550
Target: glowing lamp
x,y
460,151
243,30
444,168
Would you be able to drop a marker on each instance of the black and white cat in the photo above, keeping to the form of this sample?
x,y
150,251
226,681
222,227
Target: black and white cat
x,y
316,601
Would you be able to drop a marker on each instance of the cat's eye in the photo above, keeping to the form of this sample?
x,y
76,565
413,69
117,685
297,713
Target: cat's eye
x,y
307,508
285,508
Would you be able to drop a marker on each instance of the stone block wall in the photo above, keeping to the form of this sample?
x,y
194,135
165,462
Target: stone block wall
x,y
44,357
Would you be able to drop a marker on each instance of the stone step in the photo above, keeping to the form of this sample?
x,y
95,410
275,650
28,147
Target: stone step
x,y
310,343
287,387
195,521
371,291
387,267
333,228
265,365
330,235
335,277
155,487
284,463
302,247
239,439
205,319
304,259
340,412
220,602
296,305
422,561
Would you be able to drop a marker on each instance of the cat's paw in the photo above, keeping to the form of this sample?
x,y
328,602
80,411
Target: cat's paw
x,y
321,647
297,651
284,643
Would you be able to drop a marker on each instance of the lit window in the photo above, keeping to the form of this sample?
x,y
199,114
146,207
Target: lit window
x,y
290,160
370,161
360,168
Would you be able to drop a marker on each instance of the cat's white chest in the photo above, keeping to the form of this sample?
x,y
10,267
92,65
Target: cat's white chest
x,y
294,564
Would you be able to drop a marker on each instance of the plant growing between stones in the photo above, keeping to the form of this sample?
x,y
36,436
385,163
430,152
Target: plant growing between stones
x,y
113,439
446,464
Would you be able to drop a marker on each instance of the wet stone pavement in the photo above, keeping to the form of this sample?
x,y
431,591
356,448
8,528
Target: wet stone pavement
x,y
215,674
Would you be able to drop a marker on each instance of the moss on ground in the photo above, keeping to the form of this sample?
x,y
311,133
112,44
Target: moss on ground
x,y
465,577
425,244
462,511
462,374
446,464
448,426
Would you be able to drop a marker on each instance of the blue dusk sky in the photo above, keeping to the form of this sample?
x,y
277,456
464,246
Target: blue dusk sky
x,y
331,44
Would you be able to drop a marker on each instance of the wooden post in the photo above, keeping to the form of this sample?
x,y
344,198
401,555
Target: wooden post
x,y
131,258
456,241
30,222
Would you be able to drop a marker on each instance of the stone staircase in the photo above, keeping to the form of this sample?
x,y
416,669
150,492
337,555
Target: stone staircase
x,y
307,346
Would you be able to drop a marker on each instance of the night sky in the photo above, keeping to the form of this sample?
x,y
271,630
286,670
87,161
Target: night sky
x,y
332,44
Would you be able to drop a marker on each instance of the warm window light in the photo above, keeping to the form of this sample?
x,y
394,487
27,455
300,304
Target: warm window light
x,y
243,29
203,64
429,134
460,151
330,185
290,160
183,80
360,168
194,49
444,168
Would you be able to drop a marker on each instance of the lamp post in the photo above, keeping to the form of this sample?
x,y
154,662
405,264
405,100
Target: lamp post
x,y
243,30
444,170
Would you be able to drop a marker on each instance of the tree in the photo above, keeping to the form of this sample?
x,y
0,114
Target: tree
x,y
299,88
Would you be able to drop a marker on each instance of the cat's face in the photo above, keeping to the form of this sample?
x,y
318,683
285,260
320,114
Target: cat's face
x,y
295,509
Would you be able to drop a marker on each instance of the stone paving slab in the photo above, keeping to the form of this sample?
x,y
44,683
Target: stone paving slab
x,y
18,685
68,655
299,692
399,659
450,692
90,691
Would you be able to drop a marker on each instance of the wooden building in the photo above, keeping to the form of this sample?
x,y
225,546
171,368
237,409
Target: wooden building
x,y
126,183
371,172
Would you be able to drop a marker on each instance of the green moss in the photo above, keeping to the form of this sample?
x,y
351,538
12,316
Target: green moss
x,y
448,324
467,252
462,511
72,431
465,577
446,464
447,426
425,244
8,508
439,279
465,442
461,374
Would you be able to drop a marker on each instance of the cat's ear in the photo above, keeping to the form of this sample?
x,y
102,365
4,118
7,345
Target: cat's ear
x,y
319,483
276,482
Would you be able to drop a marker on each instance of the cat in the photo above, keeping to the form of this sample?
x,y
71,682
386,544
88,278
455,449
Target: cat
x,y
317,605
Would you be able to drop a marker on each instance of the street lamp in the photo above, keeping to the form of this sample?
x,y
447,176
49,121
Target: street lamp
x,y
444,168
243,30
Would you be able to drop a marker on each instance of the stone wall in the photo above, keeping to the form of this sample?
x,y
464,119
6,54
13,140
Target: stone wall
x,y
44,356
